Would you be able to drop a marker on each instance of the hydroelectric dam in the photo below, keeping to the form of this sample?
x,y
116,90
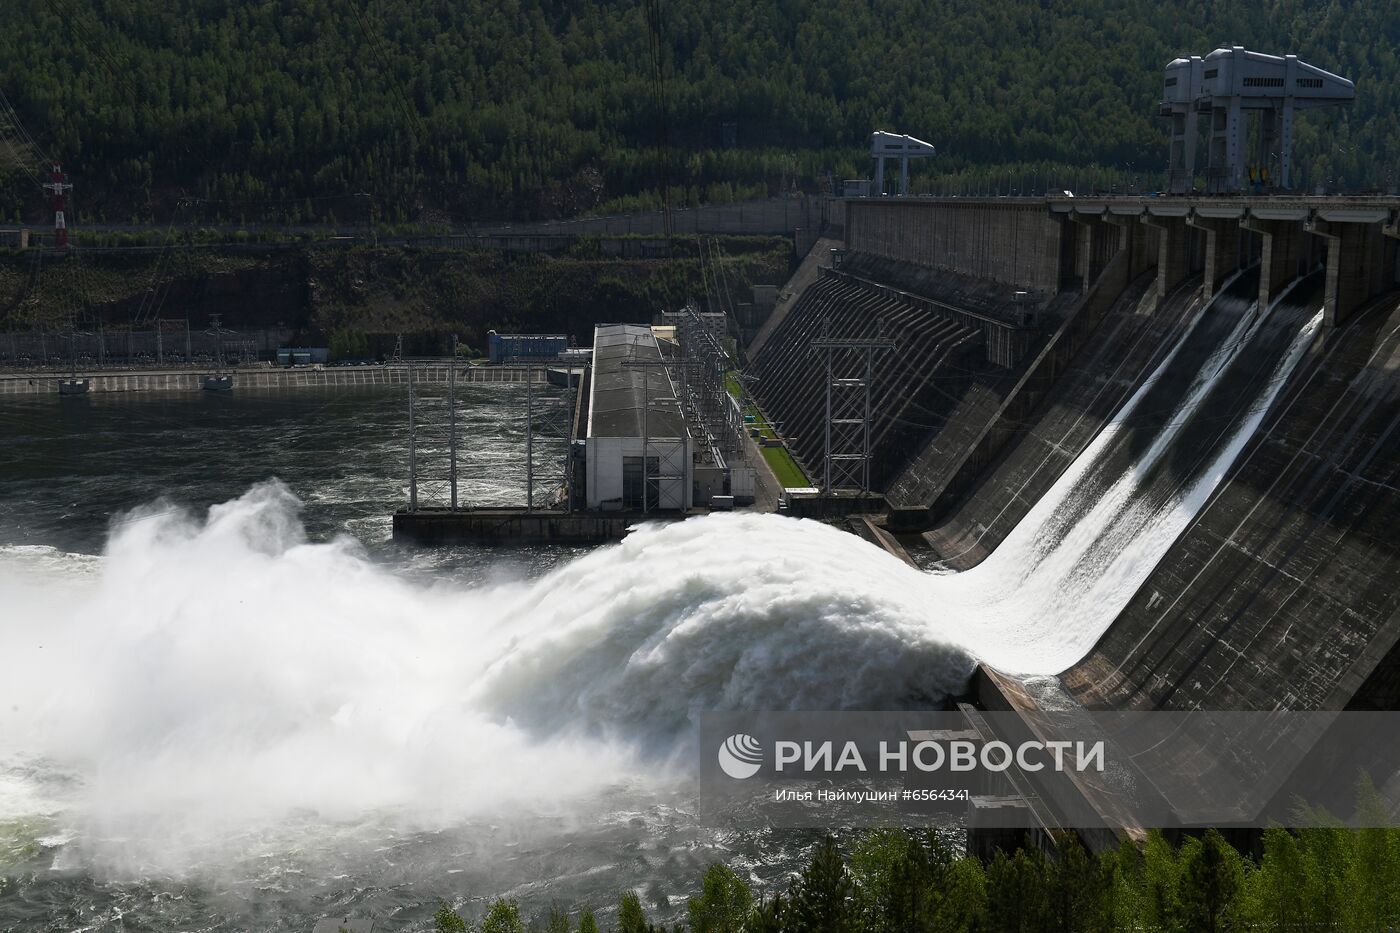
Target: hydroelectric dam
x,y
1171,421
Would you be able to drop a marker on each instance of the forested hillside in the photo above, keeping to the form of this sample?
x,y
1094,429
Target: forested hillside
x,y
459,110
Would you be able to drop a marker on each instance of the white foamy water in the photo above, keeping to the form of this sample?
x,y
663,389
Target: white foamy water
x,y
212,673
223,673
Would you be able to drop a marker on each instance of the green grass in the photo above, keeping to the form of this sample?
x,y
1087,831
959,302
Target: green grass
x,y
789,474
785,468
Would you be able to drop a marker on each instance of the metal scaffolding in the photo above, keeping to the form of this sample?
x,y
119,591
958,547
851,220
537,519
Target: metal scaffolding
x,y
703,366
848,416
548,421
436,478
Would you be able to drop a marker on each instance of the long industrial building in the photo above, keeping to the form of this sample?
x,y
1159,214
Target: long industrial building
x,y
639,450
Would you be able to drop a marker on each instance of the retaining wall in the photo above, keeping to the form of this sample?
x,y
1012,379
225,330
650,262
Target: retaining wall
x,y
1015,242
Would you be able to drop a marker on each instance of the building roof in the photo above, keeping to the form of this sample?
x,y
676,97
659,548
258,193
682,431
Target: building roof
x,y
898,144
619,390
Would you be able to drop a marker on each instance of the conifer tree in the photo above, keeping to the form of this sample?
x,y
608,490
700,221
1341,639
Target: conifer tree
x,y
724,903
821,900
630,916
1210,879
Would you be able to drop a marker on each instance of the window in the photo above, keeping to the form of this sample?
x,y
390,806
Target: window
x,y
1212,72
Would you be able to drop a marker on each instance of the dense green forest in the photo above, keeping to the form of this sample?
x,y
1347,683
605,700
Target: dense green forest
x,y
893,881
462,110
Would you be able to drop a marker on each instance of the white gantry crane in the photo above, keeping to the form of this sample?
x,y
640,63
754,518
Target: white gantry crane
x,y
895,146
1226,85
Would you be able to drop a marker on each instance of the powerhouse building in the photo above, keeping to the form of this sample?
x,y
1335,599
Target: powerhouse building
x,y
639,452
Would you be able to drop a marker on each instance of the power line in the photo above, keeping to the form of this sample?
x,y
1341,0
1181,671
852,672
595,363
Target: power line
x,y
16,127
658,88
410,113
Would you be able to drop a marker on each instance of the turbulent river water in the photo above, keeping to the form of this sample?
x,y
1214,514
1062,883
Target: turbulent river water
x,y
229,702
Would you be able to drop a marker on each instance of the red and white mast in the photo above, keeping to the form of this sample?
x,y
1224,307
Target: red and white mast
x,y
58,184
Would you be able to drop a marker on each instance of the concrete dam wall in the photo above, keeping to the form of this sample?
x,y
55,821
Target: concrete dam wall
x,y
1049,273
1132,339
1281,594
1014,242
1278,592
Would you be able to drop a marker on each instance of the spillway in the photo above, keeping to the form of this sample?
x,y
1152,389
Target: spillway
x,y
232,689
1042,598
1281,593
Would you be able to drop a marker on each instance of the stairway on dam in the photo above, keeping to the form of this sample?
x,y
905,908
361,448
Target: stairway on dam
x,y
931,361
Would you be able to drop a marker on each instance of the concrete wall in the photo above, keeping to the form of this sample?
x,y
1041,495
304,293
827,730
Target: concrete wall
x,y
605,458
509,526
817,258
1009,241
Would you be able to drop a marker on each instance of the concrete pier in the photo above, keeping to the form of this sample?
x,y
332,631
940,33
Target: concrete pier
x,y
511,526
1355,269
1094,244
1133,243
1222,251
1282,250
1173,256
